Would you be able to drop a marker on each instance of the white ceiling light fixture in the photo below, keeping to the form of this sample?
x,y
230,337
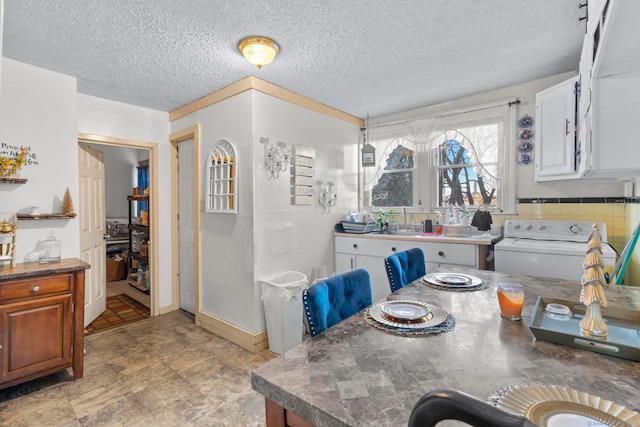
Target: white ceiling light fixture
x,y
259,50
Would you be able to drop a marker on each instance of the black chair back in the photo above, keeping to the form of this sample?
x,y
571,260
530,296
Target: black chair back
x,y
440,405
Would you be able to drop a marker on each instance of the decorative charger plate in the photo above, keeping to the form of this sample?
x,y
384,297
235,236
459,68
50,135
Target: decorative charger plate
x,y
435,315
551,406
452,280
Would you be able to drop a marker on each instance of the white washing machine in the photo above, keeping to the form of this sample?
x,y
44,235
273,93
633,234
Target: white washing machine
x,y
549,248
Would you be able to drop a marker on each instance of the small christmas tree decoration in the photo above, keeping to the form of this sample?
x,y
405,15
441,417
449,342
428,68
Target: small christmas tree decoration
x,y
593,281
67,203
451,217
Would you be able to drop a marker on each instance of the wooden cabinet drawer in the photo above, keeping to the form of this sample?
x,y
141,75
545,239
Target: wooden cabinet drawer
x,y
21,289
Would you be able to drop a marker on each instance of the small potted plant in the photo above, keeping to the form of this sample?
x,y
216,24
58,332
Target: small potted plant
x,y
463,214
382,219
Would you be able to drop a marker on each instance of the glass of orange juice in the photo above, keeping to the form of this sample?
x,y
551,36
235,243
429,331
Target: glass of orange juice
x,y
511,299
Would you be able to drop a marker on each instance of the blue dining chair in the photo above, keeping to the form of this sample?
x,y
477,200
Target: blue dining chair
x,y
404,267
335,298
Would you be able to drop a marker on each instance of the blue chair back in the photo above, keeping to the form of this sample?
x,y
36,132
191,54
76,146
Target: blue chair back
x,y
333,299
405,267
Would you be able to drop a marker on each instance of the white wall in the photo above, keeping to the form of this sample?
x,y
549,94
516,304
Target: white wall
x,y
116,119
227,239
41,109
38,109
121,175
290,237
268,235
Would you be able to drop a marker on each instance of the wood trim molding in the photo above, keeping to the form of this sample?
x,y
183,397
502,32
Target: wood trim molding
x,y
166,309
115,140
255,83
213,98
235,334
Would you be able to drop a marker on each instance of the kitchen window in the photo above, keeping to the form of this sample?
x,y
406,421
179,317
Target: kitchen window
x,y
395,186
457,156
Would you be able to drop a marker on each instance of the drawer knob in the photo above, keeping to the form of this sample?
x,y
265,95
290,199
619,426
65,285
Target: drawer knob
x,y
441,253
355,246
36,288
393,249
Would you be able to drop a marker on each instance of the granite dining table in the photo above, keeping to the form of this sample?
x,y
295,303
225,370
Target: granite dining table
x,y
354,374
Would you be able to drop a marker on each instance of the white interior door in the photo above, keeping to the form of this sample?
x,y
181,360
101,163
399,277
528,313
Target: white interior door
x,y
92,230
186,226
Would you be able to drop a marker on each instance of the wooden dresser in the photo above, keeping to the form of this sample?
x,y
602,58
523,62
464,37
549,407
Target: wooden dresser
x,y
41,320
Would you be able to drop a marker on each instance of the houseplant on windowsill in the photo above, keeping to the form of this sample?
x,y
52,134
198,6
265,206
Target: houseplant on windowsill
x,y
383,218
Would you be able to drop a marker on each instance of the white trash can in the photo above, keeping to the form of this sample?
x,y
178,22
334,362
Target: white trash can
x,y
282,299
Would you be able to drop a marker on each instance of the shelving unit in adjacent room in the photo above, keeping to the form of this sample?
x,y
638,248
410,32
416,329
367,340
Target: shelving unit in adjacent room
x,y
138,275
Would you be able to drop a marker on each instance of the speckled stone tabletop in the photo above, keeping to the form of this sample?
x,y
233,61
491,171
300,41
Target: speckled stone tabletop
x,y
356,375
31,269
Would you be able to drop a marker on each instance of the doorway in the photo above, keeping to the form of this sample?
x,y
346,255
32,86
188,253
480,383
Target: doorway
x,y
185,200
152,150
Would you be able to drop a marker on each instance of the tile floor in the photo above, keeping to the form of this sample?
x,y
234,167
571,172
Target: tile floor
x,y
121,310
122,287
162,371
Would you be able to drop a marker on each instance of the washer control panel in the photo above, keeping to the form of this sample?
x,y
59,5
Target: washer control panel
x,y
572,231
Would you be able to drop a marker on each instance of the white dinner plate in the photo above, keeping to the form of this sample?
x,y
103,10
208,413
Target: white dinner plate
x,y
436,316
453,280
406,311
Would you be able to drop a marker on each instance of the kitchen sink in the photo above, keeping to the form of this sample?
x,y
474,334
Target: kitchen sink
x,y
405,233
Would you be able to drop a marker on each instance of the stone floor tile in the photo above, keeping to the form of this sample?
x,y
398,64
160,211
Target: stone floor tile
x,y
161,371
126,412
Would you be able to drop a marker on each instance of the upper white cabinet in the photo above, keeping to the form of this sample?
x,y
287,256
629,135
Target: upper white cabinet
x,y
610,148
608,103
557,152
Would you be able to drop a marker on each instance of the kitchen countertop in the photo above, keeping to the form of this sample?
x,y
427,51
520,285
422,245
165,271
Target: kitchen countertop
x,y
480,239
356,375
31,269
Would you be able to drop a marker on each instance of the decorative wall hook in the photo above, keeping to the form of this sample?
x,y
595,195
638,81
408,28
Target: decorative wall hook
x,y
325,199
277,156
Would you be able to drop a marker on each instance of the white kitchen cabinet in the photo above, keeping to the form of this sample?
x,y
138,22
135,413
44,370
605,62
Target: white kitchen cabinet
x,y
608,105
368,253
611,150
557,154
585,78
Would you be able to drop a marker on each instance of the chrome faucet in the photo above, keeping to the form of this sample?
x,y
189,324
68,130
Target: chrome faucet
x,y
404,217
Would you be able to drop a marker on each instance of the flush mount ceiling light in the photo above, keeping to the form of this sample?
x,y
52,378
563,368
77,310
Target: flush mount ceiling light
x,y
259,50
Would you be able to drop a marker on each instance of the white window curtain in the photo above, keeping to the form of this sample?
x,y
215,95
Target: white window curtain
x,y
493,156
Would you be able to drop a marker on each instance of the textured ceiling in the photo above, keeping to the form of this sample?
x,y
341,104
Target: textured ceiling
x,y
358,56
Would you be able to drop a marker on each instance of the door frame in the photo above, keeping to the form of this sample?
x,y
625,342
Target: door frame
x,y
175,138
152,147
